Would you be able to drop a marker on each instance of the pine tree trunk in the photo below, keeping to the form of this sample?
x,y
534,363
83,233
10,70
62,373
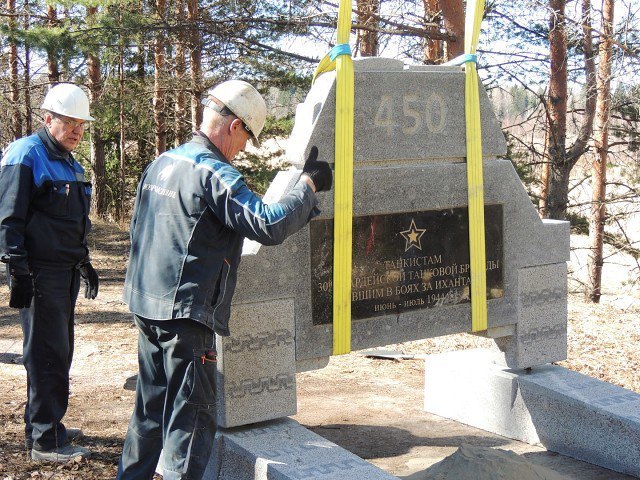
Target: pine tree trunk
x,y
558,196
64,62
180,69
543,208
98,199
27,74
145,152
557,193
195,56
123,157
453,20
433,50
599,172
52,61
368,41
15,121
159,78
563,159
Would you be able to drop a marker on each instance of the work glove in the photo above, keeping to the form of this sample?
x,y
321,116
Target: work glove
x,y
91,280
21,291
319,172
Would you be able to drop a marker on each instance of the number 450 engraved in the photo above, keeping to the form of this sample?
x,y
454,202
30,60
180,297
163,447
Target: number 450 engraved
x,y
416,113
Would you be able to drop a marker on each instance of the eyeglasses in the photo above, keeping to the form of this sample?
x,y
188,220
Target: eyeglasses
x,y
224,111
72,124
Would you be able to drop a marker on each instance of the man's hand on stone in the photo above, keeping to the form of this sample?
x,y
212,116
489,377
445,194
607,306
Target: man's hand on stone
x,y
21,291
91,280
319,172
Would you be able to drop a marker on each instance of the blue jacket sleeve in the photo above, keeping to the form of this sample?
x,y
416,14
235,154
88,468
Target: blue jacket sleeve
x,y
243,211
16,184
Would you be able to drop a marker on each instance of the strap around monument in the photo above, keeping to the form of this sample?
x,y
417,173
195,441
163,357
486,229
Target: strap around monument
x,y
462,59
328,62
475,10
340,49
343,190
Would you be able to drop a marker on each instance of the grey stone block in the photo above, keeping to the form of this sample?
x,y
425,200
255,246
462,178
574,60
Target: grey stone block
x,y
256,369
271,272
528,241
399,168
377,64
284,450
541,330
565,411
400,114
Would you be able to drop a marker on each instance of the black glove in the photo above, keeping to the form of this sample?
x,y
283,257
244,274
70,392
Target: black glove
x,y
21,291
319,172
91,281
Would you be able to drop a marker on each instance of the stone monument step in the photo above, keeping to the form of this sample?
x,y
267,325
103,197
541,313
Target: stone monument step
x,y
564,411
284,450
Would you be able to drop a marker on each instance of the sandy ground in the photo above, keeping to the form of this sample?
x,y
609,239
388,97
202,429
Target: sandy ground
x,y
370,406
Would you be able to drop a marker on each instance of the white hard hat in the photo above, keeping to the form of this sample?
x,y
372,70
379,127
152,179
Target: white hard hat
x,y
69,100
244,101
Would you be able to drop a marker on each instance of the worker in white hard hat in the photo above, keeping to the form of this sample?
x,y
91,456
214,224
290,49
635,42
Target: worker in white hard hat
x,y
44,223
192,213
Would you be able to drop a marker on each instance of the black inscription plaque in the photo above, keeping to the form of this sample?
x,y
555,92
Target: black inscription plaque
x,y
405,261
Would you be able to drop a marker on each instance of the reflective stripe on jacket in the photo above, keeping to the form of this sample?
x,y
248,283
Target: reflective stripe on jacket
x,y
192,213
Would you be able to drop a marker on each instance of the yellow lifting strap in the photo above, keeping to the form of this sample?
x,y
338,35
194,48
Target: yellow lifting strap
x,y
475,9
340,59
473,20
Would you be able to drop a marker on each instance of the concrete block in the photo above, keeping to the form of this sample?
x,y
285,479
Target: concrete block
x,y
256,367
377,64
273,272
528,241
541,331
409,162
565,411
401,114
284,450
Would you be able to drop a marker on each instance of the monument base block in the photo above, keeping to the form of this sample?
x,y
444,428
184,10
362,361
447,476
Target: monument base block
x,y
565,411
284,450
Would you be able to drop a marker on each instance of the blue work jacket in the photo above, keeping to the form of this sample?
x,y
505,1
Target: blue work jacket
x,y
192,213
44,206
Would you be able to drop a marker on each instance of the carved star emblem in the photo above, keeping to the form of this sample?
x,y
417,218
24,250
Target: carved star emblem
x,y
412,236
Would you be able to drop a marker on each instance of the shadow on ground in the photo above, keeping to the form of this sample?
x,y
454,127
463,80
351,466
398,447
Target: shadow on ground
x,y
373,441
8,357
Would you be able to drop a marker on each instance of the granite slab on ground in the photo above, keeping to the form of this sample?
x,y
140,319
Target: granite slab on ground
x,y
284,450
564,411
411,266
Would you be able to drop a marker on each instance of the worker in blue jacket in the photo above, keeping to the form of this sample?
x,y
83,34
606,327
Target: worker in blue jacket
x,y
192,213
44,223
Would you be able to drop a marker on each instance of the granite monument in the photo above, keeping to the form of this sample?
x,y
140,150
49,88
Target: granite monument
x,y
410,244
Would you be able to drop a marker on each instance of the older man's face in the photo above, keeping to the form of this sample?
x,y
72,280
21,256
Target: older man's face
x,y
239,137
66,130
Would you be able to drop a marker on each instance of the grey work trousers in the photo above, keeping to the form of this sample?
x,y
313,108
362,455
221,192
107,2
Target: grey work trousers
x,y
175,408
47,349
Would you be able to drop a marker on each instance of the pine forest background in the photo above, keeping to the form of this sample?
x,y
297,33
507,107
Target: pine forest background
x,y
564,77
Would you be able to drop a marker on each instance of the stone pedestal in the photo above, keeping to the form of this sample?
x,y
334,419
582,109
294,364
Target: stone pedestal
x,y
284,450
564,411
